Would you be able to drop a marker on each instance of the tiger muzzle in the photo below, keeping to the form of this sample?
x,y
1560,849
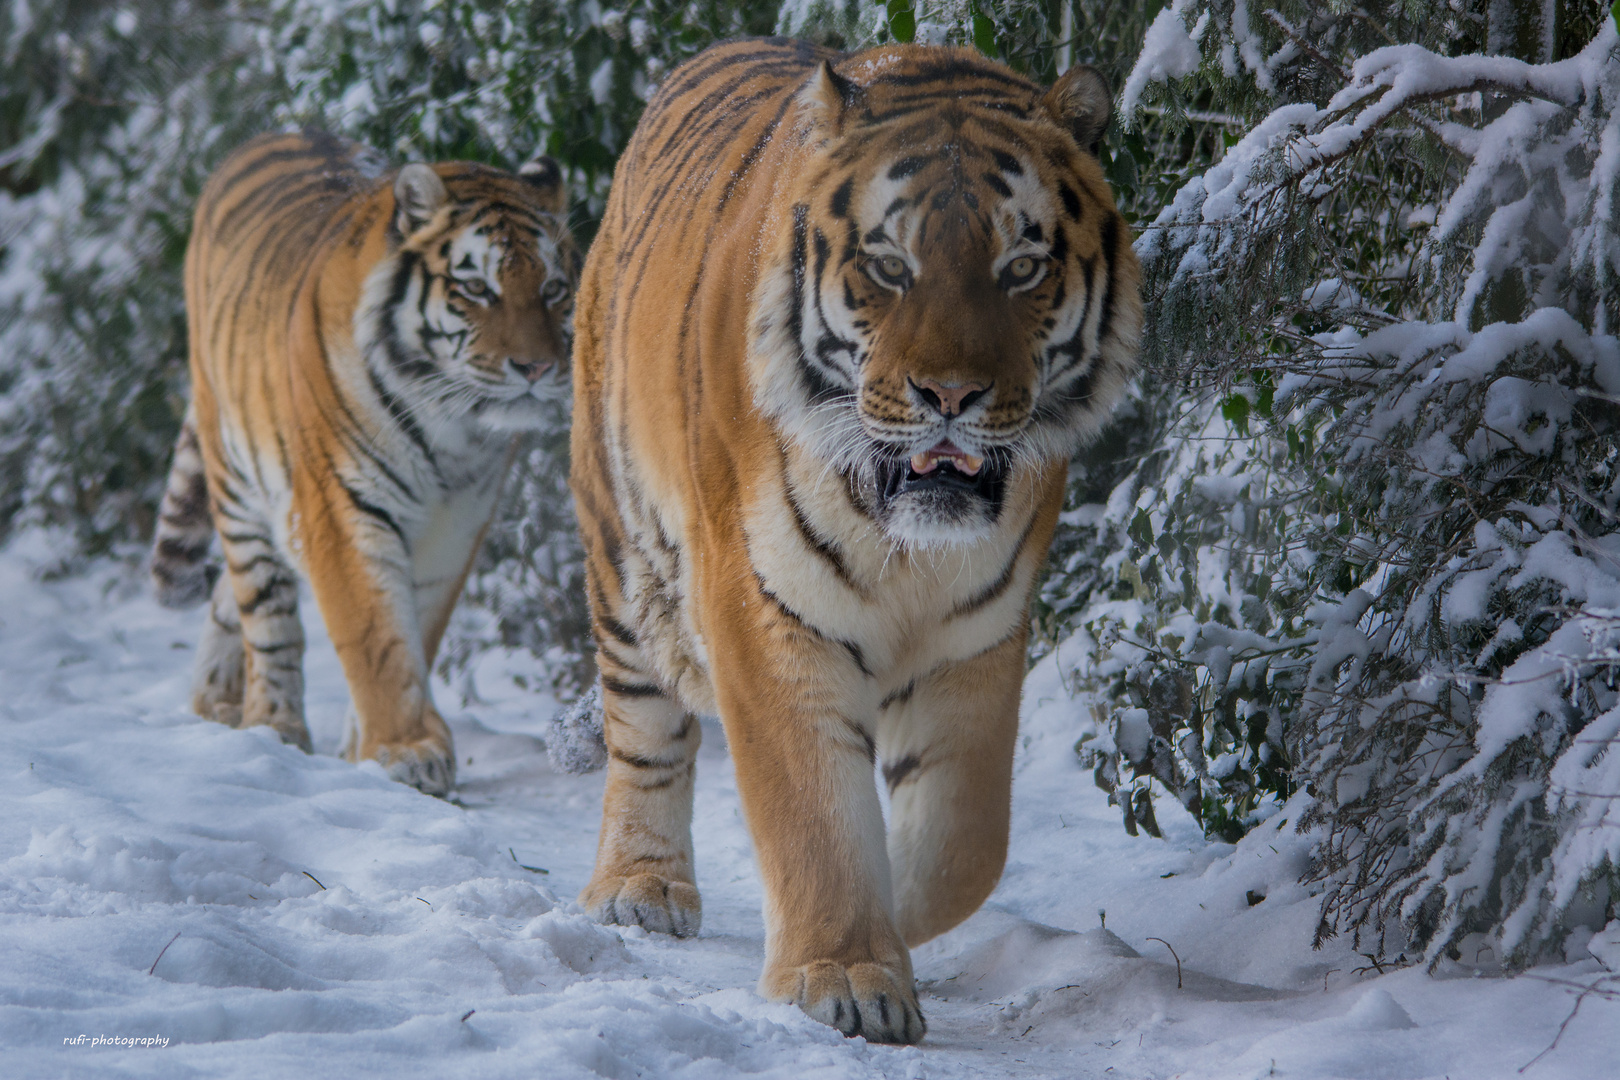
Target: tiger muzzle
x,y
945,471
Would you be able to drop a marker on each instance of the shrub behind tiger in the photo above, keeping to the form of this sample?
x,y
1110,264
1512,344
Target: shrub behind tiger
x,y
365,349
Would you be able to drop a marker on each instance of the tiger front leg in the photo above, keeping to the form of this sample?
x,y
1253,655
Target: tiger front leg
x,y
644,874
804,765
361,576
947,753
263,601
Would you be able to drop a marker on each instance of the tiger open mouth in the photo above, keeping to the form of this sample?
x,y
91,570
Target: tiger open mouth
x,y
943,472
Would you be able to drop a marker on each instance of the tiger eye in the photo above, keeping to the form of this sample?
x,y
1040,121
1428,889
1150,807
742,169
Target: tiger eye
x,y
474,287
892,267
1022,268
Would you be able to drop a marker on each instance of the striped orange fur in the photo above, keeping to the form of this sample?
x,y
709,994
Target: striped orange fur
x,y
365,348
846,321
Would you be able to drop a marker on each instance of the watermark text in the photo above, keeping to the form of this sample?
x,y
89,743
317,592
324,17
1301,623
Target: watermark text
x,y
116,1040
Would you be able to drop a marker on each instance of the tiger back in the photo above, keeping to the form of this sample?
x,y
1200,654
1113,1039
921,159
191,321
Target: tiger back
x,y
364,349
845,322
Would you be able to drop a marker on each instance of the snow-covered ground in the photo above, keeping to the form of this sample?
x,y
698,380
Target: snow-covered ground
x,y
259,912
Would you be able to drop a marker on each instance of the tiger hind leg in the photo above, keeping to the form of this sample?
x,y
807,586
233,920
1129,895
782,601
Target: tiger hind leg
x,y
181,570
217,677
644,874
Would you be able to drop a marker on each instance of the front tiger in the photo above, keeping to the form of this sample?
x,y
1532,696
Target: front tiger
x,y
364,350
846,321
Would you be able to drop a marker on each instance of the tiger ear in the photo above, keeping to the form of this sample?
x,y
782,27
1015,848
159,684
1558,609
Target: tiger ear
x,y
828,98
1081,102
418,194
546,176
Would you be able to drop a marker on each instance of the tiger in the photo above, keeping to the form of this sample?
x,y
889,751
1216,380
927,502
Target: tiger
x,y
845,322
366,349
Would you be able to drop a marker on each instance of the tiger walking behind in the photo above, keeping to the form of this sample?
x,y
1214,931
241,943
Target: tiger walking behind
x,y
846,321
365,349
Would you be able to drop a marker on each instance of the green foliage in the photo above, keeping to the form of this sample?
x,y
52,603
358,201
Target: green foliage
x,y
1375,404
108,121
494,81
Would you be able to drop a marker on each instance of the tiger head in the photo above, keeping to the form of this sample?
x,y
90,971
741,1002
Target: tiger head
x,y
954,306
470,316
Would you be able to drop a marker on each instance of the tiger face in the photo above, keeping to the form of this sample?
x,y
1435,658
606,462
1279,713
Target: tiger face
x,y
952,297
471,317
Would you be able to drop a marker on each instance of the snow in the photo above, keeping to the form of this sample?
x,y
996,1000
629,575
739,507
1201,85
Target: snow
x,y
1168,52
248,910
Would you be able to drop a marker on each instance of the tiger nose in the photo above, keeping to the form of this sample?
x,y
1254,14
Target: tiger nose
x,y
949,401
529,369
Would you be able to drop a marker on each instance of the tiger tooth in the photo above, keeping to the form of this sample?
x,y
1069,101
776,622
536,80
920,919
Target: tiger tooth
x,y
922,463
971,464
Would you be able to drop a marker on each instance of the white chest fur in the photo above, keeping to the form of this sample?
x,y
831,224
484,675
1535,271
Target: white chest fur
x,y
906,611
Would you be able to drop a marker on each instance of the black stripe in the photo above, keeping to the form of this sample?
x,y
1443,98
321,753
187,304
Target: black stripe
x,y
1006,162
617,630
898,697
174,547
954,73
277,584
908,166
752,154
896,772
353,433
856,655
796,312
866,739
850,647
999,586
246,538
631,690
636,762
821,547
840,199
1071,201
1110,249
254,562
371,509
401,415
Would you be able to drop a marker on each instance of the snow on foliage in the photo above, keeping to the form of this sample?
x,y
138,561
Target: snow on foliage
x,y
1375,557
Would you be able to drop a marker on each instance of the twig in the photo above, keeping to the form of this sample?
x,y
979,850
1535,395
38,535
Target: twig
x,y
1325,974
1172,949
315,879
1586,991
162,951
466,1014
530,869
1373,964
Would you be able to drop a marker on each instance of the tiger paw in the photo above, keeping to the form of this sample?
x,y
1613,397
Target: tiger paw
x,y
868,999
646,900
428,765
288,725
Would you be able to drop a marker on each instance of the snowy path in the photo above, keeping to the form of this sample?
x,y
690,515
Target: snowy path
x,y
329,919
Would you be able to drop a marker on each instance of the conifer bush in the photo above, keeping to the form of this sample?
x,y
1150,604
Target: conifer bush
x,y
1365,561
